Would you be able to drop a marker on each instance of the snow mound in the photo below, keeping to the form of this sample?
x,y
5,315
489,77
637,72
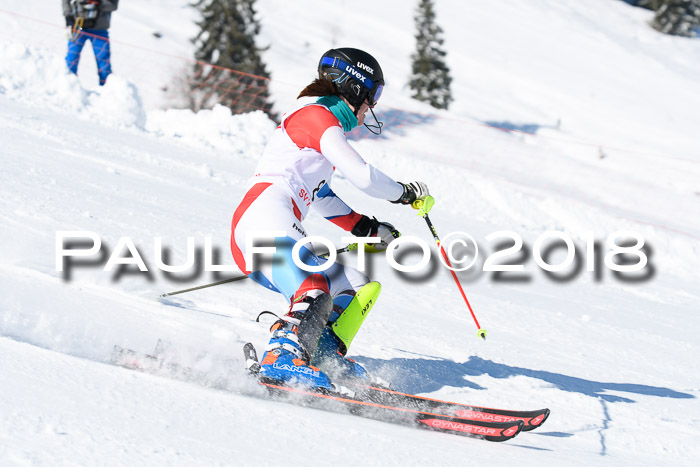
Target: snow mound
x,y
33,75
39,77
217,128
118,103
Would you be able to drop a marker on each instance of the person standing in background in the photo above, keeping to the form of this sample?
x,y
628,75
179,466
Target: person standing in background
x,y
89,20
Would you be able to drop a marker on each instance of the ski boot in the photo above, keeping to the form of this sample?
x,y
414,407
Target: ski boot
x,y
294,337
328,356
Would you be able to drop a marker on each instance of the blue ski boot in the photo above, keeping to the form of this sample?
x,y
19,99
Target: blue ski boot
x,y
329,357
294,337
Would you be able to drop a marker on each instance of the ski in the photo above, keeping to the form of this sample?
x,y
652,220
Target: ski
x,y
383,410
134,360
491,431
531,418
161,364
368,402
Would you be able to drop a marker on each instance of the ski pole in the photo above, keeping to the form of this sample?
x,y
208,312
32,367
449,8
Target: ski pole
x,y
352,246
424,206
225,281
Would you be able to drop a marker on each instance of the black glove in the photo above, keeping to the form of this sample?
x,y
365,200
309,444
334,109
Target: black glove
x,y
412,191
371,227
70,20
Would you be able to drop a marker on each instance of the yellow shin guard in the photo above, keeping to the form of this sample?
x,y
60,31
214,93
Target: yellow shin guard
x,y
349,322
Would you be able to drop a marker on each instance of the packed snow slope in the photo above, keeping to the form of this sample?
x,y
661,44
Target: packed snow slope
x,y
598,118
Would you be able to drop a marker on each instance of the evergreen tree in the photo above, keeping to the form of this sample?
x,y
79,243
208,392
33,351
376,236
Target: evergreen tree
x,y
431,76
678,17
648,4
226,40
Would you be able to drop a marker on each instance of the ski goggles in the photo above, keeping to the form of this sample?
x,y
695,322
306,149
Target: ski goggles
x,y
376,95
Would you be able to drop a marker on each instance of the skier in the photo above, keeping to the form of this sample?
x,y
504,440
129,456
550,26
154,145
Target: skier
x,y
89,20
308,345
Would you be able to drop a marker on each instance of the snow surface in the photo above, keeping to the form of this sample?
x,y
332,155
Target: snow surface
x,y
602,114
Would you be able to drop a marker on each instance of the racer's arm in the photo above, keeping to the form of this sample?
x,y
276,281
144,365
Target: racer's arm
x,y
316,127
334,209
335,147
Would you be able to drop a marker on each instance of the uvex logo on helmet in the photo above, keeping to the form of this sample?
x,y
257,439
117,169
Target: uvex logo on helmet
x,y
355,74
368,68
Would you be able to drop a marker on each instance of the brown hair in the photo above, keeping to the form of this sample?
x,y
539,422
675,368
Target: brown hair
x,y
319,87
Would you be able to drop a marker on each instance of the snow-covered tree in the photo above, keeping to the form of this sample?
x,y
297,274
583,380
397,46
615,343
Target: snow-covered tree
x,y
678,17
226,40
431,75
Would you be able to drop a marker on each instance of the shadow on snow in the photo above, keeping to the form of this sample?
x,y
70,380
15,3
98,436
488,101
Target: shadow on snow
x,y
395,123
527,128
424,375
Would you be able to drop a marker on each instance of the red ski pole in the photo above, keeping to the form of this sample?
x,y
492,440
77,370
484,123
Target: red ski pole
x,y
423,206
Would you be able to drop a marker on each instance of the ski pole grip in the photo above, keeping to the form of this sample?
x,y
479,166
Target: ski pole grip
x,y
423,205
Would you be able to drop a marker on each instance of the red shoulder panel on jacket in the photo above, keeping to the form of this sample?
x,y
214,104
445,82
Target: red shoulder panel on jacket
x,y
306,126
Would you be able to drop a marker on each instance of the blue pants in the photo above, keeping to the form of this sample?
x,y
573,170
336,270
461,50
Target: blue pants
x,y
100,46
